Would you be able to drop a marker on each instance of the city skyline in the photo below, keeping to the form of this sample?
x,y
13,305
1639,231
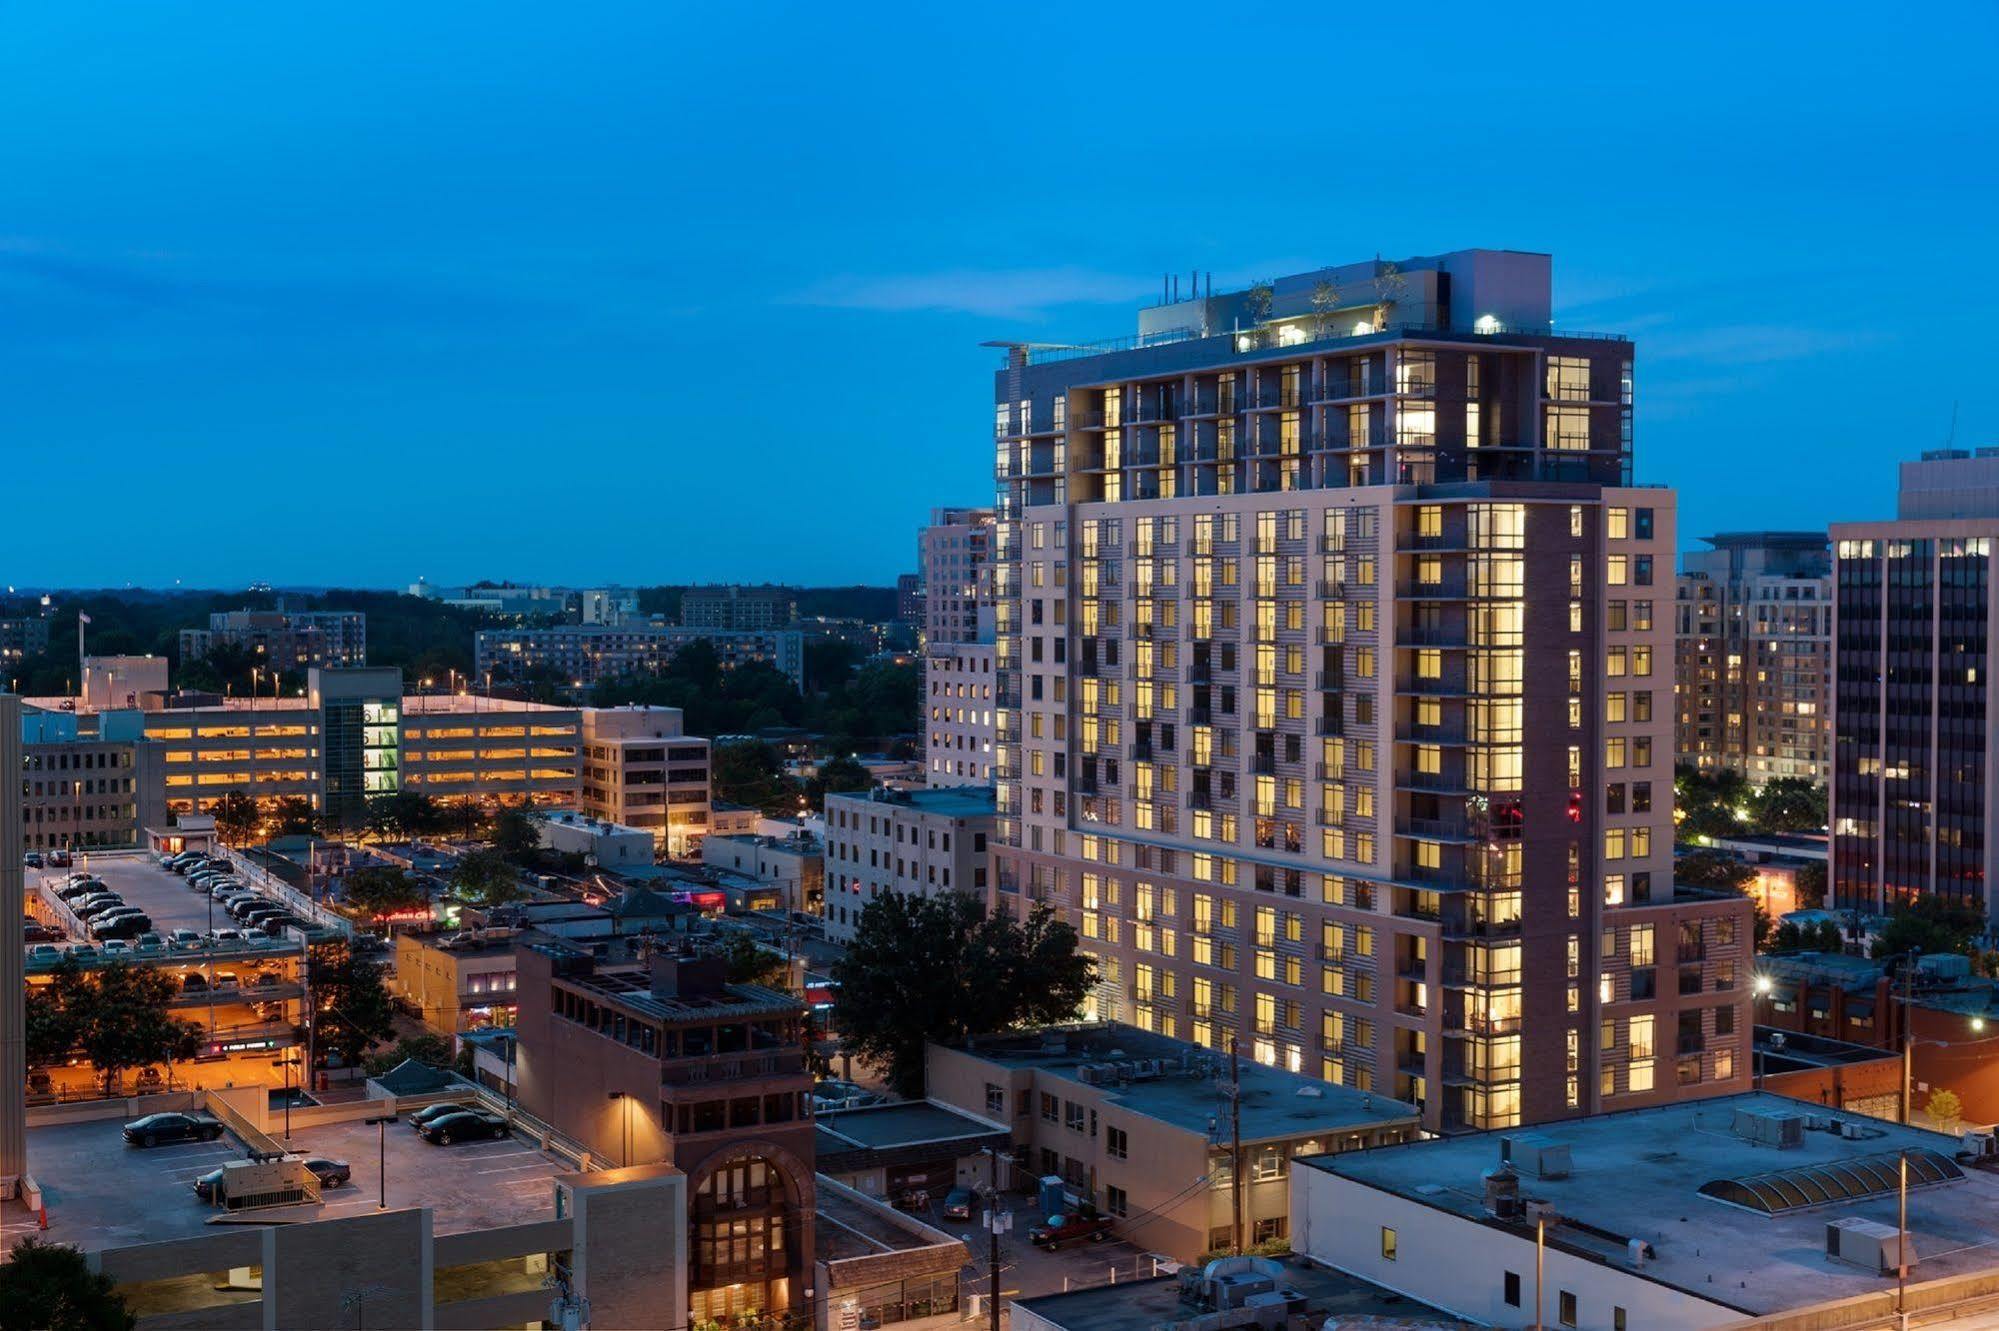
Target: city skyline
x,y
498,275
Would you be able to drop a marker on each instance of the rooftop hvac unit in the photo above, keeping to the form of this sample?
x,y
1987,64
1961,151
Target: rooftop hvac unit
x,y
1981,1145
1851,1130
1770,1128
1502,1194
1867,1244
1538,1154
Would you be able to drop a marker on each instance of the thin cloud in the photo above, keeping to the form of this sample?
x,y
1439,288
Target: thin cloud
x,y
1023,293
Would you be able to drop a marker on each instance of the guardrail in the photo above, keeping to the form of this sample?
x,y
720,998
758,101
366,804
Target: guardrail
x,y
265,881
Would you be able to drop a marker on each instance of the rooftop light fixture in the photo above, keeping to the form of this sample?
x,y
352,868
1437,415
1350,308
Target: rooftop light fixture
x,y
1485,323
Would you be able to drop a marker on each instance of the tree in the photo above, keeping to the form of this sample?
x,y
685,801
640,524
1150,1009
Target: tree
x,y
54,1013
428,1048
293,815
839,776
236,817
516,833
1789,804
938,969
126,1022
484,878
1810,881
1945,1109
750,773
750,963
351,1011
50,1287
1929,924
379,890
405,815
1715,869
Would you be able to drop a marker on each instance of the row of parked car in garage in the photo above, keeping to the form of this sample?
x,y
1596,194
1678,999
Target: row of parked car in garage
x,y
104,913
257,915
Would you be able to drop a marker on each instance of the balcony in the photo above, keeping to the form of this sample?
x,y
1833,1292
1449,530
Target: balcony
x,y
1263,764
1437,637
720,1069
1330,681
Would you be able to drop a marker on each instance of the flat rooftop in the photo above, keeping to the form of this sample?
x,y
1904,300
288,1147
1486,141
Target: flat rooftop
x,y
1189,1090
852,1226
1142,1305
102,1193
467,704
948,801
1638,1174
905,1124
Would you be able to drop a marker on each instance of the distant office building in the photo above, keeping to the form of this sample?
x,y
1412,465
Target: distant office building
x,y
88,782
585,655
1914,783
1753,656
916,842
909,599
605,605
111,682
21,637
955,554
741,609
642,769
958,714
287,639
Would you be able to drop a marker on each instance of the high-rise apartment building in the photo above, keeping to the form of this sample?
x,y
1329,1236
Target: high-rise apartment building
x,y
1335,694
955,552
288,639
1752,627
1913,776
742,609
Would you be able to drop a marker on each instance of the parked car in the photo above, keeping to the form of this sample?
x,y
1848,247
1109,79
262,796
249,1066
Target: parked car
x,y
330,1172
156,1128
225,980
123,926
958,1204
80,889
149,1079
87,906
34,931
1074,1227
184,938
58,859
82,953
275,928
218,937
185,861
33,859
150,941
115,948
438,1110
44,954
471,1125
194,982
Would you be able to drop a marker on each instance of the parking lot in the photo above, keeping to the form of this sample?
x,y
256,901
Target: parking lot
x,y
100,1192
143,883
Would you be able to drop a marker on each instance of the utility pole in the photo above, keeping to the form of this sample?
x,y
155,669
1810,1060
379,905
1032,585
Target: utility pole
x,y
1908,1054
1235,1145
997,1220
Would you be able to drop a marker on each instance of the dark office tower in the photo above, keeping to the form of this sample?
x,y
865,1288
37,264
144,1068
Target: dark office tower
x,y
1912,788
1335,708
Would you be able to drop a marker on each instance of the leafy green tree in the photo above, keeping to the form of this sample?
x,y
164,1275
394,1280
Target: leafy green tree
x,y
428,1048
293,815
516,834
1714,869
1945,1109
55,1013
125,1022
237,817
485,878
751,774
403,815
1932,925
939,969
50,1287
351,1011
378,890
1789,804
838,776
1811,883
750,963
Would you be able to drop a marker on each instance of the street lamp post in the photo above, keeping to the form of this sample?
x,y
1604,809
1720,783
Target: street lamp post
x,y
381,1124
286,1064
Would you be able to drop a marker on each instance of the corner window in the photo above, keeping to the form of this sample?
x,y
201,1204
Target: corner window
x,y
1388,1244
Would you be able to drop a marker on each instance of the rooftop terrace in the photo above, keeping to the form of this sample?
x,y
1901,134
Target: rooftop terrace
x,y
1185,1085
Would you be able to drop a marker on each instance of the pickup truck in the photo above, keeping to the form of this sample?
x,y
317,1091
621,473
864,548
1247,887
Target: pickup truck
x,y
1072,1228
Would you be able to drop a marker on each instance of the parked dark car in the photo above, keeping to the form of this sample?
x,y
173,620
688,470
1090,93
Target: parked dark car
x,y
156,1128
33,859
122,926
332,1173
34,931
472,1125
958,1204
439,1110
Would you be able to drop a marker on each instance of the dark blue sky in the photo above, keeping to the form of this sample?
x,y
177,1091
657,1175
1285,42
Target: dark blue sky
x,y
658,292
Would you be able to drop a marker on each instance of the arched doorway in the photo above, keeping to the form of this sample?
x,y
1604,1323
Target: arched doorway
x,y
747,1238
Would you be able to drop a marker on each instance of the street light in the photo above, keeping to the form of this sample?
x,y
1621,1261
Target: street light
x,y
625,1123
286,1064
381,1125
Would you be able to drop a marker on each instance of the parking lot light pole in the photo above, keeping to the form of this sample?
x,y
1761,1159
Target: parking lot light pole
x,y
286,1064
381,1124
